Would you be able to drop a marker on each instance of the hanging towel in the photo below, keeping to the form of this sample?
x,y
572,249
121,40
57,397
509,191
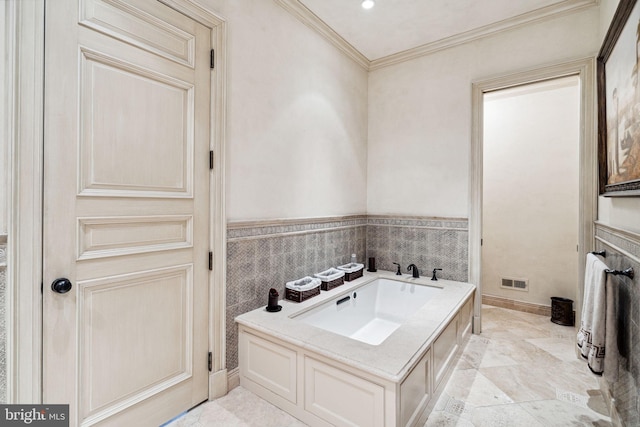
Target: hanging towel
x,y
597,325
611,355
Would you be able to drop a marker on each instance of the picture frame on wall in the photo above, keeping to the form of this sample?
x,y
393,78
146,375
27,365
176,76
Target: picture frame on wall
x,y
619,104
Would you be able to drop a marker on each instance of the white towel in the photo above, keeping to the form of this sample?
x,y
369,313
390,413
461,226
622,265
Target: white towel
x,y
612,354
597,325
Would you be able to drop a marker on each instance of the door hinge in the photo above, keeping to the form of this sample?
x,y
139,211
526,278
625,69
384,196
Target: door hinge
x,y
210,260
481,242
41,288
210,363
213,59
211,159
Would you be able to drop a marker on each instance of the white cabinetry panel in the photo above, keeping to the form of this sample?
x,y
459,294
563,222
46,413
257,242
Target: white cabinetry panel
x,y
341,398
269,365
444,348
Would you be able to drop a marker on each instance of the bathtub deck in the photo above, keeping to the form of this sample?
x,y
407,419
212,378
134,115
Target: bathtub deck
x,y
392,358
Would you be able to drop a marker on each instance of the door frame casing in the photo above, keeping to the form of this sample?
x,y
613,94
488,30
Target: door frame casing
x,y
588,168
24,35
24,77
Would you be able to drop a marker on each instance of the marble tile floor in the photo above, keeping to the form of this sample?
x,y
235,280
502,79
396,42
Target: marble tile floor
x,y
521,371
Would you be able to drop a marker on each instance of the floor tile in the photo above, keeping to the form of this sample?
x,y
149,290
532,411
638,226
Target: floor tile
x,y
504,416
554,413
471,387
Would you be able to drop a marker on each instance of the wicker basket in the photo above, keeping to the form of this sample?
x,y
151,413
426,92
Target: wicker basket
x,y
327,286
330,278
302,289
352,271
353,276
299,296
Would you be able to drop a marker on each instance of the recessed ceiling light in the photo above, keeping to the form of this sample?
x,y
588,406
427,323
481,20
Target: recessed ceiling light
x,y
368,4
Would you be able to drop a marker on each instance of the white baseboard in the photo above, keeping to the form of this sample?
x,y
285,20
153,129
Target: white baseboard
x,y
233,378
218,384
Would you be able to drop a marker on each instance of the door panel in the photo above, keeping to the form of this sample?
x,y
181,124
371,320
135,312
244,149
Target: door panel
x,y
163,37
113,236
159,303
127,109
117,92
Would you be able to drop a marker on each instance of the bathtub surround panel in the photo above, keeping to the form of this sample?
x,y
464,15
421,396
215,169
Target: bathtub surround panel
x,y
427,242
623,251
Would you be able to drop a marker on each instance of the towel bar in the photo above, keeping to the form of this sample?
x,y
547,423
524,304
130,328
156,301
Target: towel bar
x,y
602,253
628,272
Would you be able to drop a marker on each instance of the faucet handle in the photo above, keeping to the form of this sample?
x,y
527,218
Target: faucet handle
x,y
398,272
434,273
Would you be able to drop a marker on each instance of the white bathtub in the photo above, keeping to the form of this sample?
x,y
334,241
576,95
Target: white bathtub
x,y
372,312
332,364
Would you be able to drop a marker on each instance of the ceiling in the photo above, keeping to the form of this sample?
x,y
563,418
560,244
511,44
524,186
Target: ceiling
x,y
394,26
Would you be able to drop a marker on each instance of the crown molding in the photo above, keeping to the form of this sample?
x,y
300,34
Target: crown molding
x,y
305,15
552,11
312,21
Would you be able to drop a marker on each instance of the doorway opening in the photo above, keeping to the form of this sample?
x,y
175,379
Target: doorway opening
x,y
530,193
587,190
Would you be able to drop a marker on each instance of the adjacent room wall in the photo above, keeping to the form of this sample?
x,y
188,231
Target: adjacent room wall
x,y
297,118
530,190
420,112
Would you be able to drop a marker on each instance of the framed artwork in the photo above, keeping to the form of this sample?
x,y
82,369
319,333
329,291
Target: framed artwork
x,y
619,104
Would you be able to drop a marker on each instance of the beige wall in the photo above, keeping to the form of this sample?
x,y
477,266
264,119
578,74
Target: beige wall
x,y
297,118
530,190
420,112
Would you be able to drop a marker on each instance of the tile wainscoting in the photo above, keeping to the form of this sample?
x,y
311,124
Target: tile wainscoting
x,y
267,254
623,251
426,242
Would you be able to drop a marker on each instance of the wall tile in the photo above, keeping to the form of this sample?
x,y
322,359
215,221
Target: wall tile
x,y
623,251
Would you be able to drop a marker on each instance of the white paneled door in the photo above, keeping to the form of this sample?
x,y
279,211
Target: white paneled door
x,y
126,211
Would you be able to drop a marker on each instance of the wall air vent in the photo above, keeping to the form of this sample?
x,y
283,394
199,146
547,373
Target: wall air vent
x,y
517,284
